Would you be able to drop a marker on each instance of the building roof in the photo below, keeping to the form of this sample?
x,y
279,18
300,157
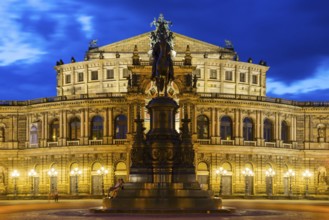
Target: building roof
x,y
180,44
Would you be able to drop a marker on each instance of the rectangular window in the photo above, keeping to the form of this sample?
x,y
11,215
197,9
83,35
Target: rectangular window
x,y
254,79
242,77
110,74
228,75
197,72
213,74
67,79
80,77
94,75
125,73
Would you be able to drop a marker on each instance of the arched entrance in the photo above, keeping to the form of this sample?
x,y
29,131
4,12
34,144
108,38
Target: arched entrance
x,y
96,180
203,175
227,180
120,171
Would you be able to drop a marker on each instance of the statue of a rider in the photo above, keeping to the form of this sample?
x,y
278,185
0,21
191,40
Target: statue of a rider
x,y
162,45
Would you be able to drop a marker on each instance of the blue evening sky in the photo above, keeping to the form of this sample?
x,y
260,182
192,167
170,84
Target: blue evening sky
x,y
291,35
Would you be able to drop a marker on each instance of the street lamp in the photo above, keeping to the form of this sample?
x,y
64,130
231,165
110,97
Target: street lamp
x,y
221,171
306,174
52,174
247,173
102,171
76,172
32,174
290,173
15,175
270,173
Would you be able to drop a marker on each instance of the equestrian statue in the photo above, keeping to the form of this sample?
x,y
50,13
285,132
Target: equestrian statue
x,y
162,45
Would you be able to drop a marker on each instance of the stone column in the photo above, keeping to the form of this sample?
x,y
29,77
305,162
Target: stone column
x,y
212,124
110,123
106,124
64,127
86,125
46,128
82,127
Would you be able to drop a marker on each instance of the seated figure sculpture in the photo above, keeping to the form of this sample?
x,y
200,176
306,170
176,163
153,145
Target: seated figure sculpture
x,y
113,191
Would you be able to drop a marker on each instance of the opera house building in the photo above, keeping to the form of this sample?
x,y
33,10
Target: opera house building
x,y
246,144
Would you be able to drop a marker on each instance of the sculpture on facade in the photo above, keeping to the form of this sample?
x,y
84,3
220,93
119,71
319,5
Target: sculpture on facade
x,y
162,43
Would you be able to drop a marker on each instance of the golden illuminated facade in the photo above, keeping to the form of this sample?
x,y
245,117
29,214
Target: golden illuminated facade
x,y
67,139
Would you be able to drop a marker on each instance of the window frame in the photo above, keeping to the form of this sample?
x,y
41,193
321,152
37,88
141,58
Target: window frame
x,y
94,73
228,75
80,77
68,78
244,77
254,79
109,72
203,125
213,74
248,129
226,128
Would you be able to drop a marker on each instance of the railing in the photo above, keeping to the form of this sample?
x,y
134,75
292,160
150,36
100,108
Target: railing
x,y
270,144
227,142
120,141
263,99
285,145
61,98
72,143
178,63
95,142
150,63
52,144
203,141
249,143
33,145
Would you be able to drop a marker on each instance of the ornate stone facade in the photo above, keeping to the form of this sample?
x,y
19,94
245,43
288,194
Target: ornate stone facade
x,y
91,124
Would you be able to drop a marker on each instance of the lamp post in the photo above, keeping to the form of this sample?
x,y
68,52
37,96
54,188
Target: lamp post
x,y
247,173
220,172
32,174
15,175
52,174
270,173
290,173
306,174
102,171
76,172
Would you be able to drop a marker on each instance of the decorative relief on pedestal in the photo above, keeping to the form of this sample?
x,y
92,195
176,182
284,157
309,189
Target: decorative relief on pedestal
x,y
162,155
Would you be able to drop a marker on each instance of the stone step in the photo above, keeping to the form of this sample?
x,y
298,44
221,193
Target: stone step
x,y
162,193
123,204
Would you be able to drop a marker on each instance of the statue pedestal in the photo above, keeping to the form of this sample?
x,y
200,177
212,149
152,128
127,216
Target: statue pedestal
x,y
162,198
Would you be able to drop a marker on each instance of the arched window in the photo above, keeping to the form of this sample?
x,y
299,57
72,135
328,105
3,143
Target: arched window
x,y
268,130
284,132
97,128
248,129
34,135
74,129
120,127
226,128
203,127
54,130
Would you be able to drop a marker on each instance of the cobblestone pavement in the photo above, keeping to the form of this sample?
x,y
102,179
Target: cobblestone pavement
x,y
246,209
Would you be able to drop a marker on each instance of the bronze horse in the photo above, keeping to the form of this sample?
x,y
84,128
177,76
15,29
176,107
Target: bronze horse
x,y
163,71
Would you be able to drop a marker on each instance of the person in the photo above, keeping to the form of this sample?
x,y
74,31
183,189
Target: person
x,y
113,191
56,196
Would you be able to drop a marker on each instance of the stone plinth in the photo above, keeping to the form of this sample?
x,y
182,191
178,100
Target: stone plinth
x,y
162,197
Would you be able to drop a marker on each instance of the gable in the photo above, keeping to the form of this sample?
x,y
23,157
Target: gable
x,y
143,43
